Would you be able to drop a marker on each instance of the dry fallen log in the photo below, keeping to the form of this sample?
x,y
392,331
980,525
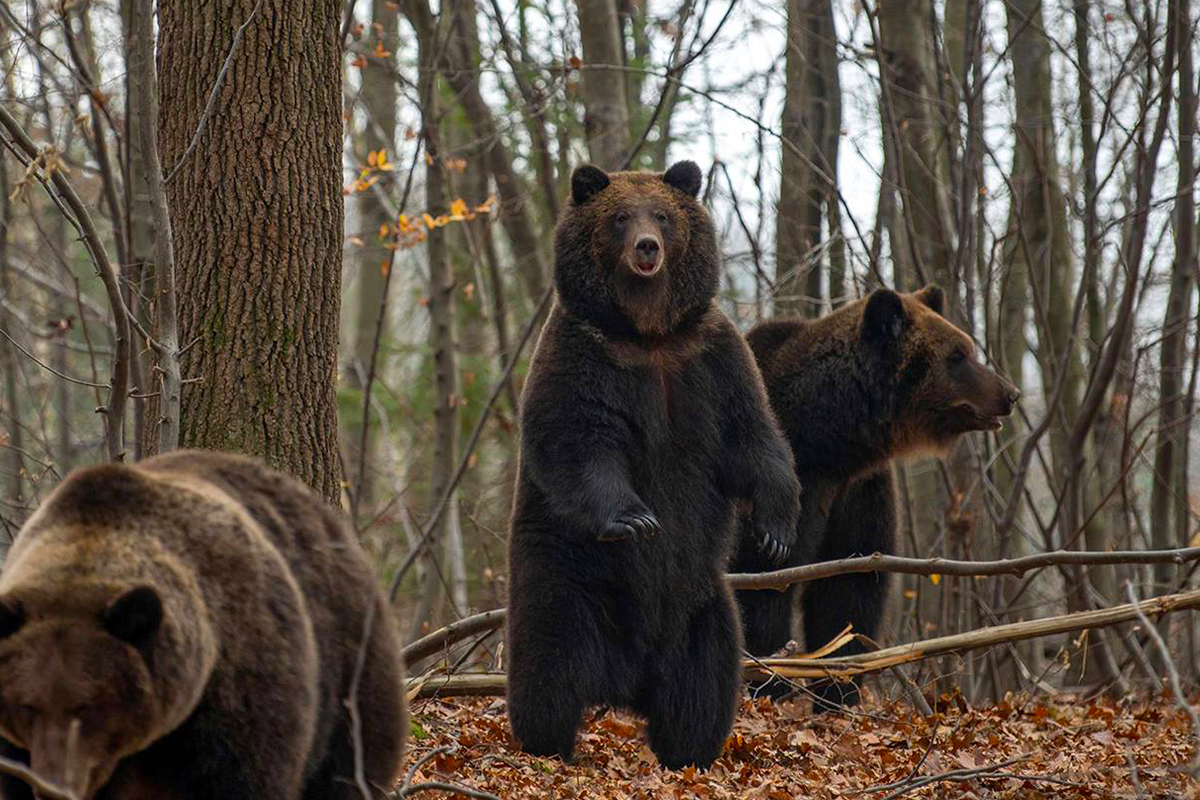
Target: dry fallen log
x,y
802,667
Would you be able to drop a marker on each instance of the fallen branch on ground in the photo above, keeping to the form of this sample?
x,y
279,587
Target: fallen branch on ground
x,y
878,562
490,684
780,579
455,632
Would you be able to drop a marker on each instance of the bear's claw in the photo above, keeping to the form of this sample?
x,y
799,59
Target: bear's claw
x,y
774,549
629,524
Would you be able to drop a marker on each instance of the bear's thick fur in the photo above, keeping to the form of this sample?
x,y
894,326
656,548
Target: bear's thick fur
x,y
188,628
878,379
643,419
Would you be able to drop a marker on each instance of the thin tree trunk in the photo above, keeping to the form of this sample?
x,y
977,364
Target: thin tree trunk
x,y
606,111
812,120
461,62
1176,315
138,217
1167,510
440,301
11,435
257,208
911,94
378,133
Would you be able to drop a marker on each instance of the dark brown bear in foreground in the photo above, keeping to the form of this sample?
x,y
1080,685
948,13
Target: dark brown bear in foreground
x,y
878,379
643,419
189,628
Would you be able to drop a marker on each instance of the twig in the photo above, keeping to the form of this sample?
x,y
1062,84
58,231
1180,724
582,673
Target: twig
x,y
443,501
1172,675
212,96
49,368
43,788
781,579
408,788
447,787
910,783
82,220
455,632
420,762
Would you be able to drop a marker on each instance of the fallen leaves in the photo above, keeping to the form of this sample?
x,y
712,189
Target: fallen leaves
x,y
1065,748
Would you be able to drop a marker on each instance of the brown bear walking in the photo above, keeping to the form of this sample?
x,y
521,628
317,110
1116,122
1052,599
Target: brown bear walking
x,y
878,379
643,419
188,628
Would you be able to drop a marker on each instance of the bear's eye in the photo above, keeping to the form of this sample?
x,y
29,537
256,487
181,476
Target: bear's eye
x,y
622,218
957,357
661,216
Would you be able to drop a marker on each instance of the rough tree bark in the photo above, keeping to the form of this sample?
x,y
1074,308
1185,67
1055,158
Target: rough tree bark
x,y
257,208
606,117
812,121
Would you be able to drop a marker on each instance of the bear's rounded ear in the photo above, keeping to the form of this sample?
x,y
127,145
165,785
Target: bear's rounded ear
x,y
684,176
884,318
12,617
934,297
135,615
586,180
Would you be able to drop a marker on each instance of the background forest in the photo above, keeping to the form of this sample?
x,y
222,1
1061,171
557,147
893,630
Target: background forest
x,y
325,238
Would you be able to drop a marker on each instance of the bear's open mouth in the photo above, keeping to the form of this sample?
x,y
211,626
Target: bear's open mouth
x,y
646,268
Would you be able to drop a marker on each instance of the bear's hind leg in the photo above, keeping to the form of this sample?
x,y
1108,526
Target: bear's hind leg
x,y
696,687
559,661
861,522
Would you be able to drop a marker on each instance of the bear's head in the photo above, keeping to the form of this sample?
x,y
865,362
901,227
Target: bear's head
x,y
942,390
635,252
100,651
75,688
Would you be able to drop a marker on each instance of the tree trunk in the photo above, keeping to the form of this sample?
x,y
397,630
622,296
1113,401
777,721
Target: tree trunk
x,y
140,233
441,307
606,116
461,62
12,466
911,92
1166,507
812,121
258,227
378,133
1172,355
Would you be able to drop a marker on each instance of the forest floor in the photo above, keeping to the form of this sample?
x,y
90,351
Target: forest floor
x,y
1045,748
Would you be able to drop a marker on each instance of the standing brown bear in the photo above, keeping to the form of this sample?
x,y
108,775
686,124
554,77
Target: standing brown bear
x,y
881,378
188,628
643,419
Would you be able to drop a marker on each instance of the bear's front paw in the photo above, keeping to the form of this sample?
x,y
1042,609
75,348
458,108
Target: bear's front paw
x,y
631,523
774,546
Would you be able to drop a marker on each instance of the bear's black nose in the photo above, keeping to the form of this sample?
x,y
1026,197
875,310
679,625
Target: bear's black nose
x,y
647,248
1011,396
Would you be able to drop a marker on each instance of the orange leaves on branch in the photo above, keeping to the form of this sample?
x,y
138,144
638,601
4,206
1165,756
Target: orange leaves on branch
x,y
408,232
